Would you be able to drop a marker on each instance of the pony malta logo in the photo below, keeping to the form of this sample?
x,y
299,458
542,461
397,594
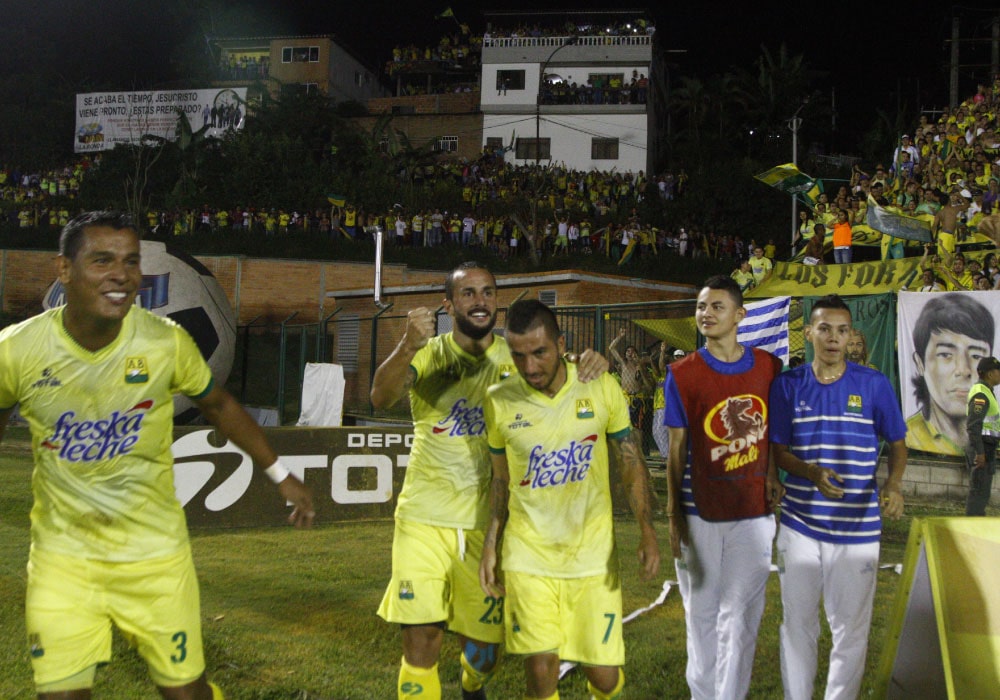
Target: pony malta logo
x,y
93,440
560,466
737,425
462,421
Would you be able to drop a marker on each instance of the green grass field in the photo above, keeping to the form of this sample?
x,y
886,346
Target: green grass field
x,y
290,615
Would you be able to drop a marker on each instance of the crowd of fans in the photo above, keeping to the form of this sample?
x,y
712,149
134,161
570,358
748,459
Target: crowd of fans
x,y
244,67
609,89
617,28
947,171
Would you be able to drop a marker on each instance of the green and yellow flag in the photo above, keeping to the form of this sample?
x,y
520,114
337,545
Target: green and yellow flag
x,y
789,179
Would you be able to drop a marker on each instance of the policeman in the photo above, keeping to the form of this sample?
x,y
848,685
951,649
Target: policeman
x,y
983,425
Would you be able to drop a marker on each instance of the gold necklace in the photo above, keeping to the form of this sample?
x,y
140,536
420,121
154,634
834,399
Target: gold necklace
x,y
832,378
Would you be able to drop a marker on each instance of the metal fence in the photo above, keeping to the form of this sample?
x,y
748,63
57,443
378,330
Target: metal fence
x,y
271,357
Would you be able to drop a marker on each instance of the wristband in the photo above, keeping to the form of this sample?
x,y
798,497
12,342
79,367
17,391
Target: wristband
x,y
277,472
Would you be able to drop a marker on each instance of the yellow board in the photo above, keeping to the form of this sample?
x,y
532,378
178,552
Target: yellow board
x,y
944,636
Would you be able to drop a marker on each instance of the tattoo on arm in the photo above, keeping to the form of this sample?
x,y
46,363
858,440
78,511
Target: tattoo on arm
x,y
628,454
499,500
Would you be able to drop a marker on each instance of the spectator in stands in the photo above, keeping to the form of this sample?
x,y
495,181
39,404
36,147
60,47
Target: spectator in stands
x,y
843,239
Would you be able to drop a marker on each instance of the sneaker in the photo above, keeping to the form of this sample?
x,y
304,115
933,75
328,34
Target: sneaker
x,y
474,694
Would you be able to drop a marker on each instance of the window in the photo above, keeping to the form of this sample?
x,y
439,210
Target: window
x,y
300,54
348,343
383,145
510,80
448,144
548,297
494,143
532,149
604,149
310,88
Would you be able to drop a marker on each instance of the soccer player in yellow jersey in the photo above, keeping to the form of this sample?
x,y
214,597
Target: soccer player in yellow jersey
x,y
443,509
95,381
550,500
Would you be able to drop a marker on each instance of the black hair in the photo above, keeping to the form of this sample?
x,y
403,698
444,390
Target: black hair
x,y
726,284
71,236
830,301
957,313
527,314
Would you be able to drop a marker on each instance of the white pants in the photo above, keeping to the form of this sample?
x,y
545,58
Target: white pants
x,y
845,575
722,575
661,434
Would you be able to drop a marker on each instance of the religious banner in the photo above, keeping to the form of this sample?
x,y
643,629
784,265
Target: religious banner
x,y
106,119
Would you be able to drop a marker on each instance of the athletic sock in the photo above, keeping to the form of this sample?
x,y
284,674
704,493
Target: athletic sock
x,y
416,681
615,692
472,678
216,691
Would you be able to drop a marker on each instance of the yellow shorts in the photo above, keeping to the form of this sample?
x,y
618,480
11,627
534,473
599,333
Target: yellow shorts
x,y
72,602
435,578
946,241
580,619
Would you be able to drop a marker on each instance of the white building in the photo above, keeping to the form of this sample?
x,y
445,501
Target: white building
x,y
582,116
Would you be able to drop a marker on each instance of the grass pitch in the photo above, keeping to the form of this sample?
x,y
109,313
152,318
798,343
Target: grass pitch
x,y
290,615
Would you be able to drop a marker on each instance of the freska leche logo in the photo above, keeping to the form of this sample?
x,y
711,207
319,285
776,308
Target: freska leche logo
x,y
90,441
557,467
462,421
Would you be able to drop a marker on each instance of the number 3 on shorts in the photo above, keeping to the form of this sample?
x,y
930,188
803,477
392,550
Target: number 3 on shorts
x,y
180,639
611,624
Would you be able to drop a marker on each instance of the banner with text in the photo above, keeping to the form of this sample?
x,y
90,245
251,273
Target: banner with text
x,y
106,119
355,473
873,277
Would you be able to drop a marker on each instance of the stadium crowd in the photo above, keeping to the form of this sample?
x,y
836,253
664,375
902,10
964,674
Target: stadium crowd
x,y
947,171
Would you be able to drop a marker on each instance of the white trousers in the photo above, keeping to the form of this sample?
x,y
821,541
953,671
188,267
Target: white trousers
x,y
722,575
845,575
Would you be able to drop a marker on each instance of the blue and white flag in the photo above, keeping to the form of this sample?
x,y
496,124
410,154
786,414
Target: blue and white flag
x,y
766,326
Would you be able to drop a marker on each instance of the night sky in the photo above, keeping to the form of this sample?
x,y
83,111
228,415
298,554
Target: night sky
x,y
871,54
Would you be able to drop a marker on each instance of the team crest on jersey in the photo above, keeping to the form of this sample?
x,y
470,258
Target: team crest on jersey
x,y
737,424
136,370
584,408
506,371
406,590
854,403
47,379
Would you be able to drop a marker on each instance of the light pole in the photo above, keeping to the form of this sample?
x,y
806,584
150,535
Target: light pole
x,y
794,124
568,41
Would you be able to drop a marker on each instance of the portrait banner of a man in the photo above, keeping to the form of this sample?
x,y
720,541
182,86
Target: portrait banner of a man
x,y
942,337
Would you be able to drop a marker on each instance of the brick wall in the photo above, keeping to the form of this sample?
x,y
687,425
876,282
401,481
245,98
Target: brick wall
x,y
449,103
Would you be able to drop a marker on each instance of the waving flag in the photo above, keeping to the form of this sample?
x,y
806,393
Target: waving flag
x,y
789,179
766,326
891,222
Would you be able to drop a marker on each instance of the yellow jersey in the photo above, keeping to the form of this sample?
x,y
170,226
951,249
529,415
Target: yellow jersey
x,y
560,515
448,476
101,431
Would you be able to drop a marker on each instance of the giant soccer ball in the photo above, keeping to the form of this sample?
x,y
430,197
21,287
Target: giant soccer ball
x,y
178,287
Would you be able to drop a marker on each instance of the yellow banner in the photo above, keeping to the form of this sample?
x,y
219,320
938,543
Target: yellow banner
x,y
875,277
944,636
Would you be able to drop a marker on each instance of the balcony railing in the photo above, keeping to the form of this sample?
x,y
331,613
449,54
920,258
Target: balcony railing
x,y
521,42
